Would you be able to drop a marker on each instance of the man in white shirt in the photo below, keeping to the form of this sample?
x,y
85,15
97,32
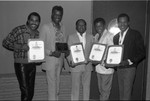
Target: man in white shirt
x,y
104,75
83,71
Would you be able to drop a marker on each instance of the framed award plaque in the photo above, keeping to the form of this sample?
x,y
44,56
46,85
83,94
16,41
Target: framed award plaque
x,y
114,55
97,52
36,50
77,53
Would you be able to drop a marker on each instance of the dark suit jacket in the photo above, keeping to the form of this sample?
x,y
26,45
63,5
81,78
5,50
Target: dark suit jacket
x,y
134,48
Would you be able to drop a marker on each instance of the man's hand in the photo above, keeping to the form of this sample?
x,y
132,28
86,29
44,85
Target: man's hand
x,y
67,53
25,47
87,62
95,63
72,64
124,63
55,54
39,63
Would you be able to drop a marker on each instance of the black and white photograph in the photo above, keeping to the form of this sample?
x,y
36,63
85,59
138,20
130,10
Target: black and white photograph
x,y
37,63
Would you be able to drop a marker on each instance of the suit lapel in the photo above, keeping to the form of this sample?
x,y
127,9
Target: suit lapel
x,y
51,37
86,44
116,39
76,38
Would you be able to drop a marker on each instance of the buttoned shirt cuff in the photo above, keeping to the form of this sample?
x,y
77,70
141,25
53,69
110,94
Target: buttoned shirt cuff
x,y
130,63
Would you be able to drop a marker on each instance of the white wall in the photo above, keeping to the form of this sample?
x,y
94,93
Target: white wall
x,y
14,13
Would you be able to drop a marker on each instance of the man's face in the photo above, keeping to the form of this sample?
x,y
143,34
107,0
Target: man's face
x,y
57,16
33,22
123,23
99,27
81,27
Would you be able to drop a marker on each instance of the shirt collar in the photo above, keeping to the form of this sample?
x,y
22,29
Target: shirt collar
x,y
60,23
124,33
105,30
121,38
97,37
83,35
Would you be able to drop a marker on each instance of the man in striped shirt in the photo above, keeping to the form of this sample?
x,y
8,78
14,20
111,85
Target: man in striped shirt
x,y
16,41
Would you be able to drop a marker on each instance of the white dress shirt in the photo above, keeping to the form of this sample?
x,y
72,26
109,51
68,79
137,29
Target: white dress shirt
x,y
96,37
121,37
82,38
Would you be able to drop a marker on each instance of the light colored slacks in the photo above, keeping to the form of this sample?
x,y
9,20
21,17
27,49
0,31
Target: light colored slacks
x,y
85,78
53,78
104,85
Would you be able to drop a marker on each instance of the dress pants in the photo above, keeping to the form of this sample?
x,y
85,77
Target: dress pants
x,y
84,77
53,77
26,77
104,85
53,80
126,77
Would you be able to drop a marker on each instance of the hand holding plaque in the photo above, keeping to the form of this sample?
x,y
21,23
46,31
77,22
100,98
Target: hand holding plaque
x,y
77,54
55,54
25,47
114,55
124,63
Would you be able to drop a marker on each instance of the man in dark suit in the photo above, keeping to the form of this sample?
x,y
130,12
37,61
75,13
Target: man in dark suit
x,y
134,52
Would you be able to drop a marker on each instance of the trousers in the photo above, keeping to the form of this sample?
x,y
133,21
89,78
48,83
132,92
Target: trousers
x,y
53,80
26,77
84,79
126,79
104,85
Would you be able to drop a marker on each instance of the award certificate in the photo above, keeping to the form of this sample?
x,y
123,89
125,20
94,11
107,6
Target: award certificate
x,y
36,50
114,55
77,53
97,52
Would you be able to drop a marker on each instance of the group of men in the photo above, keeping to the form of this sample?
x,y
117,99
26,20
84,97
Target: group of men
x,y
52,32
